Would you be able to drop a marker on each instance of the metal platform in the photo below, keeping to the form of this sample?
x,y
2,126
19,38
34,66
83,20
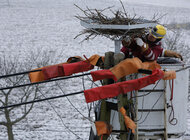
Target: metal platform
x,y
90,24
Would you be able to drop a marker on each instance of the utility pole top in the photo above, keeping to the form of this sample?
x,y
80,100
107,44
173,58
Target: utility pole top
x,y
94,26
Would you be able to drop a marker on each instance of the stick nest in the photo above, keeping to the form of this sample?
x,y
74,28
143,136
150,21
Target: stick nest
x,y
118,18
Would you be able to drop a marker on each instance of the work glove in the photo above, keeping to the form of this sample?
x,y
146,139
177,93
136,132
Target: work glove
x,y
119,56
141,44
126,41
169,53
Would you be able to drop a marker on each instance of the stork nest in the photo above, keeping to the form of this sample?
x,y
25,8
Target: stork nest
x,y
119,18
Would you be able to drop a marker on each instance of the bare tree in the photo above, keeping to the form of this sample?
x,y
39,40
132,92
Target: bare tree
x,y
174,41
11,96
10,116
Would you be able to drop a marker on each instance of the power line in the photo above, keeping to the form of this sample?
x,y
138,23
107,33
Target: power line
x,y
54,97
40,100
20,73
46,81
59,116
51,80
182,69
73,104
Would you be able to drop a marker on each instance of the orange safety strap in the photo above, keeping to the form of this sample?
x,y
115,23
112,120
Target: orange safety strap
x,y
103,128
53,71
128,122
112,90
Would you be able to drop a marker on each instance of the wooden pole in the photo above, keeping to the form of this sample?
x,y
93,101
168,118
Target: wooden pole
x,y
122,100
136,137
104,111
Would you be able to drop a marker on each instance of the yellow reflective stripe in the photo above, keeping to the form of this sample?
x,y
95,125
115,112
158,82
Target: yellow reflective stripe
x,y
156,34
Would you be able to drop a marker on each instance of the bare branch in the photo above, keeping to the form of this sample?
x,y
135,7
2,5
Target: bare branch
x,y
25,110
123,8
82,10
119,18
3,92
20,94
158,18
3,123
24,115
2,102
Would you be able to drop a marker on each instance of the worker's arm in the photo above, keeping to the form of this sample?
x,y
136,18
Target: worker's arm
x,y
148,53
169,53
125,50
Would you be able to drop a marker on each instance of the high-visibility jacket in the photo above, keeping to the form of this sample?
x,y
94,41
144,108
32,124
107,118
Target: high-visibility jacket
x,y
152,53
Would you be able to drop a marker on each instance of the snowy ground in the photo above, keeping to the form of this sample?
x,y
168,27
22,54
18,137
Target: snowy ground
x,y
50,25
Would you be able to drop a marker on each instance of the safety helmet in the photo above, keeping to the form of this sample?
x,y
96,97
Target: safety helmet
x,y
158,31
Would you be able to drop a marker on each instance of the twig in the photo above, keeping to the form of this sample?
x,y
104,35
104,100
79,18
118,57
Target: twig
x,y
119,18
123,8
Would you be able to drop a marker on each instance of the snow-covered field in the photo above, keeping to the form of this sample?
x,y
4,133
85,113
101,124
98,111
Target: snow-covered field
x,y
50,25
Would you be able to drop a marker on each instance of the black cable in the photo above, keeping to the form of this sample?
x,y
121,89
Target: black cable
x,y
67,77
58,115
46,81
92,82
182,69
141,112
172,119
73,104
40,100
148,92
151,109
20,73
83,85
89,108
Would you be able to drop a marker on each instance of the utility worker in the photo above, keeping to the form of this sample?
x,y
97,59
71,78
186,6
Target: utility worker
x,y
148,48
